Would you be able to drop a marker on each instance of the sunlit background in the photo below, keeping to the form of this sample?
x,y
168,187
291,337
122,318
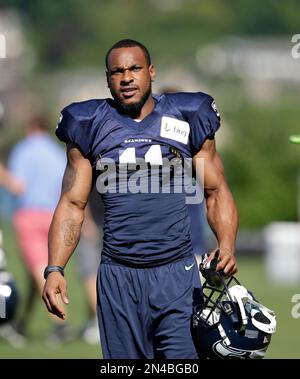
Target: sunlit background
x,y
244,54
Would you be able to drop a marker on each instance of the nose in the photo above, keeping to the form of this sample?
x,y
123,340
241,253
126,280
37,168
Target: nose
x,y
127,76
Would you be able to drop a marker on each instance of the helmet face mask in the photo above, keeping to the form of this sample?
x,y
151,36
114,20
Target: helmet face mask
x,y
230,323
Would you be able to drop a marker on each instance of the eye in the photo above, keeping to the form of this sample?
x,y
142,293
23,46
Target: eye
x,y
136,69
116,72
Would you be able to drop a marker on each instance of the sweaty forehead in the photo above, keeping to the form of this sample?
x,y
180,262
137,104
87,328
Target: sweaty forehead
x,y
126,57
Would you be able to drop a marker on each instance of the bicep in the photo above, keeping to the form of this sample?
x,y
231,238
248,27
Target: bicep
x,y
77,180
209,166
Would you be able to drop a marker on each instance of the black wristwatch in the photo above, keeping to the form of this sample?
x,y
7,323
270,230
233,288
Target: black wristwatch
x,y
53,268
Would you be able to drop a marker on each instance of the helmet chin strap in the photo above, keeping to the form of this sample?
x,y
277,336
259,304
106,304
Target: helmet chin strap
x,y
223,335
213,318
243,313
240,296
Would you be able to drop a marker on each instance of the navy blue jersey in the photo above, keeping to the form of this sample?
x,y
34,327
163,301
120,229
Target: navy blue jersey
x,y
142,227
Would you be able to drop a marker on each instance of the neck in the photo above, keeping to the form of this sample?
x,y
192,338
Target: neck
x,y
147,108
144,111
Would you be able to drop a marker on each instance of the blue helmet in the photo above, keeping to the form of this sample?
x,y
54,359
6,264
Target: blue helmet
x,y
230,323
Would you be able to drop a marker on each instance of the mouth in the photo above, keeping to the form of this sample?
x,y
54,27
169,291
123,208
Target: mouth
x,y
129,91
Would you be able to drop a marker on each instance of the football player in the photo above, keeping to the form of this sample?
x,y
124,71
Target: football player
x,y
148,275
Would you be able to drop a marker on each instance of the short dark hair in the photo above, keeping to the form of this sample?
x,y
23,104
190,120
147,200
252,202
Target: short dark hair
x,y
128,43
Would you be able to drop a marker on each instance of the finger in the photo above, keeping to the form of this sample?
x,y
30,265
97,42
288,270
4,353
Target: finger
x,y
233,270
64,294
230,269
59,312
213,255
56,308
48,306
44,297
225,259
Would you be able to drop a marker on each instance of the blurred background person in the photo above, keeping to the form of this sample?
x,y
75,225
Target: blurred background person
x,y
38,162
7,181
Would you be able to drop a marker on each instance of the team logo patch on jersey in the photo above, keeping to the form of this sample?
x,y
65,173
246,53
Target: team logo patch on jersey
x,y
214,107
174,129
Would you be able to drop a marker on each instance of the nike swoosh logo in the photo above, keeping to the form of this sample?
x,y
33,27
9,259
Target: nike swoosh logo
x,y
187,268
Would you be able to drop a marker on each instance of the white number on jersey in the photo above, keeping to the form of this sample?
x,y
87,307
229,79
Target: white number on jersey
x,y
153,155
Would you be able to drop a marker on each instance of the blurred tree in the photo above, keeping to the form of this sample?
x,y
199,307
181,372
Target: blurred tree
x,y
76,32
261,164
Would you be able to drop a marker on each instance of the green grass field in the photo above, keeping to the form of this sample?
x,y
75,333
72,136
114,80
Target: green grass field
x,y
285,343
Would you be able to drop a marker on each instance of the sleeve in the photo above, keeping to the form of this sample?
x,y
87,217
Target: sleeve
x,y
17,166
75,126
204,123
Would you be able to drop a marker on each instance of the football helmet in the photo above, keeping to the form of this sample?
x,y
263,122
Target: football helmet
x,y
8,297
229,322
8,290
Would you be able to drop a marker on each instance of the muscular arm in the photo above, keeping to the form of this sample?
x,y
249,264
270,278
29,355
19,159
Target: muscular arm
x,y
221,209
66,224
69,214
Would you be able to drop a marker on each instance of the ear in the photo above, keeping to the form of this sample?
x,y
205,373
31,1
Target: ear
x,y
107,78
152,72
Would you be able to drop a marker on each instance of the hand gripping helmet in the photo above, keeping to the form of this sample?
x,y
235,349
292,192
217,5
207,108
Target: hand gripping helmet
x,y
230,323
